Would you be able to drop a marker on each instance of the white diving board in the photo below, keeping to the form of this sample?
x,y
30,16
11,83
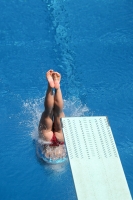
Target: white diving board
x,y
94,160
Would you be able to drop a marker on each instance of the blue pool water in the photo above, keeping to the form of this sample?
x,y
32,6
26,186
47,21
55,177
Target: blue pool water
x,y
90,43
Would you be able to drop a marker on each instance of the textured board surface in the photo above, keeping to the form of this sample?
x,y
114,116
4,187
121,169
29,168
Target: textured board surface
x,y
94,159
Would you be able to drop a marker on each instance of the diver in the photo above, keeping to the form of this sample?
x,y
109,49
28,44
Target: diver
x,y
50,129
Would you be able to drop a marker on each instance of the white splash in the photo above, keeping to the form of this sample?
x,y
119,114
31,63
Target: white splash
x,y
74,108
34,108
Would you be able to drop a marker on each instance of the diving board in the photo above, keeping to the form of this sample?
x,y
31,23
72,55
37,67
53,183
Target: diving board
x,y
94,160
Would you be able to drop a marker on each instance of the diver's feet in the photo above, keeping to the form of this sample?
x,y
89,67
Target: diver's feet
x,y
56,77
50,78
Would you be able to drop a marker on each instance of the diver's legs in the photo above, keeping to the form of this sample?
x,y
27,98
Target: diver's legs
x,y
58,108
46,121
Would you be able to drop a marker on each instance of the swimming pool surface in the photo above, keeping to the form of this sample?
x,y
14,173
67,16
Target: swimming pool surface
x,y
90,43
